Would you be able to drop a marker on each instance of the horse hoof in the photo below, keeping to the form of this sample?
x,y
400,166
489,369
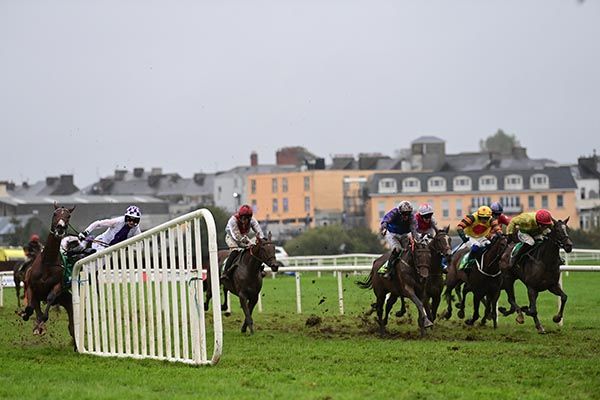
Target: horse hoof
x,y
541,331
520,319
227,313
469,322
503,311
400,314
427,323
557,318
461,313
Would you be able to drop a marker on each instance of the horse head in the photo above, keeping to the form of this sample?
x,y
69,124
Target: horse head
x,y
264,250
560,234
442,244
60,220
422,258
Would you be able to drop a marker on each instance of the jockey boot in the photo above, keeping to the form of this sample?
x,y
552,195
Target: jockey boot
x,y
469,264
391,265
228,264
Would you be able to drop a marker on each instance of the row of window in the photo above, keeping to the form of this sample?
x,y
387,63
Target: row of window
x,y
463,183
275,205
275,185
511,204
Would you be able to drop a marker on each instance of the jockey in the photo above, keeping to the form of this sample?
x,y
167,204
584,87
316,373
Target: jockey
x,y
236,234
497,214
527,228
398,223
119,228
477,229
426,224
32,249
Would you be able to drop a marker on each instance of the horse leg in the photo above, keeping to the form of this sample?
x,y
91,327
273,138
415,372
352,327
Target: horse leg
x,y
494,307
39,328
388,307
251,304
225,305
51,299
207,298
557,290
29,304
424,322
450,285
510,295
435,303
475,317
463,299
532,309
400,313
66,301
379,308
18,290
246,309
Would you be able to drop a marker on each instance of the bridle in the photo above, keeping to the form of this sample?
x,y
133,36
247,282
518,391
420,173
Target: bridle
x,y
54,225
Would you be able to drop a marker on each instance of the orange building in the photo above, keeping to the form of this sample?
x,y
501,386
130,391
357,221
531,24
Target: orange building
x,y
454,194
314,197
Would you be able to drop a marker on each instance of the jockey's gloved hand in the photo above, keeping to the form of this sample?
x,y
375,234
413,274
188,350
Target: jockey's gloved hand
x,y
245,240
463,236
83,235
383,230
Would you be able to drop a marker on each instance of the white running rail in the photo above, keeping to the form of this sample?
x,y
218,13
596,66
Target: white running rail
x,y
143,297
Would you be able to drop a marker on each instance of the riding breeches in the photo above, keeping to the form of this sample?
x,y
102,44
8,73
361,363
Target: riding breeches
x,y
394,240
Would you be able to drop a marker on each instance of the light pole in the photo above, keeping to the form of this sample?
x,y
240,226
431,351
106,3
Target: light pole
x,y
237,200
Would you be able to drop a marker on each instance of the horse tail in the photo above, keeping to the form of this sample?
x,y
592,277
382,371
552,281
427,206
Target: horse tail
x,y
367,283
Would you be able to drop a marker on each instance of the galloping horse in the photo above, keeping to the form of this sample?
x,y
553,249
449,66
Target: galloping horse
x,y
440,247
44,279
539,270
246,279
411,272
485,281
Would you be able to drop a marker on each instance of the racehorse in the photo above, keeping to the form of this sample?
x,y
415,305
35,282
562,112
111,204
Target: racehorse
x,y
44,279
440,247
408,280
246,277
539,270
485,280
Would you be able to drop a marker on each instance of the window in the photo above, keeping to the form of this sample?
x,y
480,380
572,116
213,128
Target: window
x,y
462,183
479,201
306,183
436,184
513,182
387,185
531,202
539,181
488,182
275,206
254,208
560,201
307,204
511,204
544,201
582,191
274,185
284,185
285,204
411,185
445,209
459,211
253,186
381,209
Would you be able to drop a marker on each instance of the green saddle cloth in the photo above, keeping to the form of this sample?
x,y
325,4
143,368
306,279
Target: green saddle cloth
x,y
464,260
68,264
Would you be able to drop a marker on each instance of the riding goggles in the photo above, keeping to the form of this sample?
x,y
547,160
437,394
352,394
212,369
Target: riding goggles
x,y
132,219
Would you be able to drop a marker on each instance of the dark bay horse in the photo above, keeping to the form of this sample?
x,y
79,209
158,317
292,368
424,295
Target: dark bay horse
x,y
440,247
409,279
246,278
485,280
44,279
539,270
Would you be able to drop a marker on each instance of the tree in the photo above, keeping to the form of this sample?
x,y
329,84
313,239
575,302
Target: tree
x,y
334,239
499,142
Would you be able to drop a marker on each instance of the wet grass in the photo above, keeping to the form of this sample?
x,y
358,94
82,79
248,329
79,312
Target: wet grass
x,y
323,355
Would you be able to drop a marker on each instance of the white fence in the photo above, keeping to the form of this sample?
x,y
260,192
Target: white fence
x,y
143,297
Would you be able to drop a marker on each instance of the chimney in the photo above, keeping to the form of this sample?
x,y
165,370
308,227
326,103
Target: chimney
x,y
138,172
156,171
199,178
120,174
3,192
253,159
66,180
25,185
51,180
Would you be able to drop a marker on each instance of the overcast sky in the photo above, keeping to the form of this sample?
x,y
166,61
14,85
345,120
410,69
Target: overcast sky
x,y
189,86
